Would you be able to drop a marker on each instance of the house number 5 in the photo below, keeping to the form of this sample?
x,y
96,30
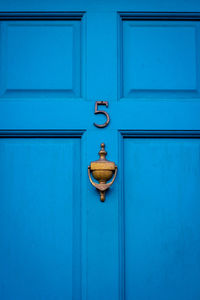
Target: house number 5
x,y
102,112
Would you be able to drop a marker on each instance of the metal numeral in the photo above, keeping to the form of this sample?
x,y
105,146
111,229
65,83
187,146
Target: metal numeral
x,y
102,112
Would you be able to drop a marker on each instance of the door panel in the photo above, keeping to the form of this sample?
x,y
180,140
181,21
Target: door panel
x,y
160,59
40,218
161,218
57,240
40,59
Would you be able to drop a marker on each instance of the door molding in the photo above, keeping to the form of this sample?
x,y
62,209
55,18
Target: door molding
x,y
41,133
160,133
41,15
169,16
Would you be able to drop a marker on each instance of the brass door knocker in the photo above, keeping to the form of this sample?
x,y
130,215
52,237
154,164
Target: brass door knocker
x,y
102,170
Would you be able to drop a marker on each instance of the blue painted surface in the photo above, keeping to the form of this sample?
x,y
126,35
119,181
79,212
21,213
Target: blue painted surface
x,y
160,59
57,240
58,53
40,218
162,241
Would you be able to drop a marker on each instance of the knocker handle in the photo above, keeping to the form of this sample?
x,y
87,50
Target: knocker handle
x,y
96,185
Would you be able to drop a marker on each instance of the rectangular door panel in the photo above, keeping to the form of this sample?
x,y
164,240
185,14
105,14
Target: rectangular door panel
x,y
39,218
160,59
162,218
40,59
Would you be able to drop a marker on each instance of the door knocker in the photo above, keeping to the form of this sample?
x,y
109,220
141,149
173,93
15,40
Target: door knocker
x,y
102,170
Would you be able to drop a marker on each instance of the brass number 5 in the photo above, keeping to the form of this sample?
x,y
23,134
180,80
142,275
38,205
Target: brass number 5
x,y
101,112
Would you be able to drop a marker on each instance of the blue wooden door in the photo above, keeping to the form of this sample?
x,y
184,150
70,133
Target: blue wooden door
x,y
57,240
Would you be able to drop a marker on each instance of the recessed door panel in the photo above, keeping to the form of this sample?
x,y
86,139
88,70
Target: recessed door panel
x,y
40,59
39,218
161,218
